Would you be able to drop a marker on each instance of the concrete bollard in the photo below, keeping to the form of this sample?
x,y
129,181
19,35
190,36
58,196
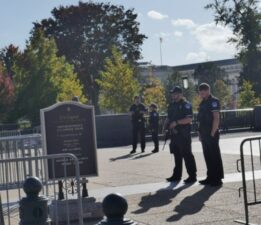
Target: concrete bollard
x,y
115,207
33,209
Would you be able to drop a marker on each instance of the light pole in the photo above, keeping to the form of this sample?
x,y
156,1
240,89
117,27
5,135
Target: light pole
x,y
161,39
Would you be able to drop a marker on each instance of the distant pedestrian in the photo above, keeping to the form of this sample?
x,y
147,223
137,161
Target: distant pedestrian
x,y
154,126
178,123
138,124
209,120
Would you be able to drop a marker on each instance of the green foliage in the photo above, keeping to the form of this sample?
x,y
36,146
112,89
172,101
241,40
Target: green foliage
x,y
247,96
154,92
41,78
244,18
85,35
176,79
252,69
223,93
117,83
9,56
195,102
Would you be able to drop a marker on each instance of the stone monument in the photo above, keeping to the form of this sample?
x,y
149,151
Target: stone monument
x,y
69,127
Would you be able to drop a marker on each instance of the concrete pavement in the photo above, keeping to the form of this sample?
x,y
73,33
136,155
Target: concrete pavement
x,y
152,201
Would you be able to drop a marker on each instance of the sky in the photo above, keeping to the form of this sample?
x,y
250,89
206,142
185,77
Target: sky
x,y
188,31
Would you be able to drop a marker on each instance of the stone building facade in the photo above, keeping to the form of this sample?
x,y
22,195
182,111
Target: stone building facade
x,y
232,68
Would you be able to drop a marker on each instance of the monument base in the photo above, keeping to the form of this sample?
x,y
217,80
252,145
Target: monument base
x,y
62,210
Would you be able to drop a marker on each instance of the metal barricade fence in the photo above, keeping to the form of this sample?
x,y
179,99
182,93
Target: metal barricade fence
x,y
20,147
250,161
11,194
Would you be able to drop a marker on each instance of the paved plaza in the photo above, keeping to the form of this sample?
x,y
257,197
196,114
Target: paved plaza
x,y
153,201
140,178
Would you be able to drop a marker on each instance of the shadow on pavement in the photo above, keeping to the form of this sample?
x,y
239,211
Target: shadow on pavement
x,y
123,157
161,198
192,204
142,156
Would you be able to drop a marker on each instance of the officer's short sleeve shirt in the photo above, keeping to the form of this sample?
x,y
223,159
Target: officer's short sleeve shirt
x,y
214,105
188,110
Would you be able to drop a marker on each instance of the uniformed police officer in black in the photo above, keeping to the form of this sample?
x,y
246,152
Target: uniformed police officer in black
x,y
209,119
178,122
138,124
154,126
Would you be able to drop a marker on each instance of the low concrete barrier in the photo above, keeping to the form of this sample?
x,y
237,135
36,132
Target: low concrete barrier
x,y
113,130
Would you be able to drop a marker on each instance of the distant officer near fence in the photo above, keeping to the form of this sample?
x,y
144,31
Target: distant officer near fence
x,y
178,122
209,120
154,126
138,124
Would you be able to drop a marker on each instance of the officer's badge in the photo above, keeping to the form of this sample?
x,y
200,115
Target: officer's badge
x,y
155,114
214,104
187,106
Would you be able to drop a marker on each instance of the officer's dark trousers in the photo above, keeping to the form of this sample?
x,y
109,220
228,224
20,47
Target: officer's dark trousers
x,y
212,156
155,138
180,146
138,130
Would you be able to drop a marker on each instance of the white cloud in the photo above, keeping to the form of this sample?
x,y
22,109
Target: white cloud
x,y
213,38
187,23
156,15
178,34
197,56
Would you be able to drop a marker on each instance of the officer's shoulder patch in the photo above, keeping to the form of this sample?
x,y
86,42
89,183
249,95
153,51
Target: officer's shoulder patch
x,y
214,104
187,106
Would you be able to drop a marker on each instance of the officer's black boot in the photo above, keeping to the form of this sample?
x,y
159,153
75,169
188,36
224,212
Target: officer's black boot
x,y
133,151
173,178
155,151
190,180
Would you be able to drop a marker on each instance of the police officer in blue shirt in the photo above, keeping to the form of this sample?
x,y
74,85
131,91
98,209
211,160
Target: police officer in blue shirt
x,y
154,126
138,124
209,119
178,122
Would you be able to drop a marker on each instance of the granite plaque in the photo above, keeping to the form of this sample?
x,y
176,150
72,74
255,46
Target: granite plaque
x,y
69,127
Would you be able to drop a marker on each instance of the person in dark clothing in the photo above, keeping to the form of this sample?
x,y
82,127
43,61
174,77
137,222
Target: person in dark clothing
x,y
209,119
138,124
154,126
178,122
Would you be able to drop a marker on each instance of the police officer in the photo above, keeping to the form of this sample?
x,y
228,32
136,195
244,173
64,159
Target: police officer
x,y
154,126
209,119
178,122
138,124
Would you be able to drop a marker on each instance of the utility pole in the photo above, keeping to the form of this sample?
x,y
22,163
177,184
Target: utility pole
x,y
161,39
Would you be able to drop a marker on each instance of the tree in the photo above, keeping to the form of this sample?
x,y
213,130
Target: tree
x,y
195,102
223,93
244,18
9,55
209,73
176,79
7,96
153,92
85,35
41,78
247,97
117,83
